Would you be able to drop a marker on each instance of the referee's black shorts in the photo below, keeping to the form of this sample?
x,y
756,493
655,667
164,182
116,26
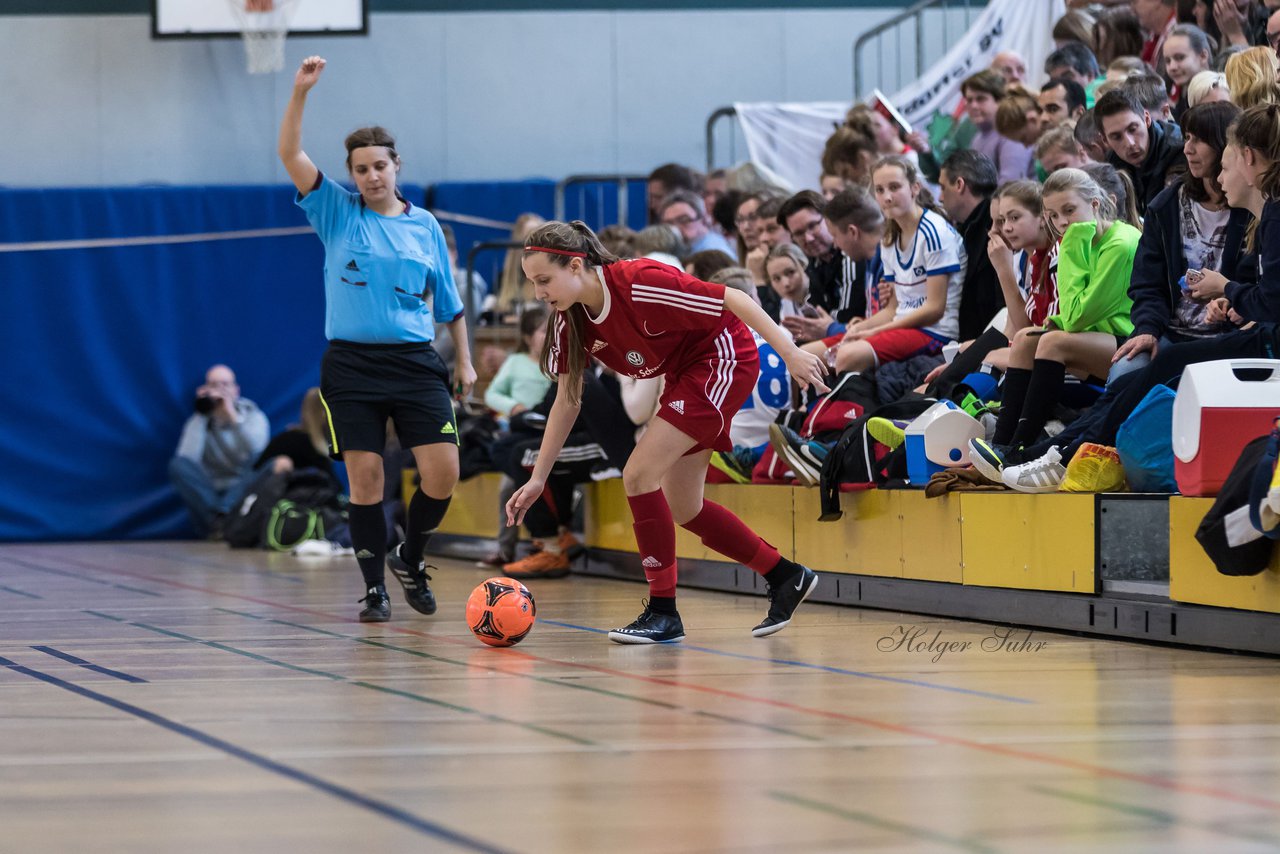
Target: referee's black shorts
x,y
363,385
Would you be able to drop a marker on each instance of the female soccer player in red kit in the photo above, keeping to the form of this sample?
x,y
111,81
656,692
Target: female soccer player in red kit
x,y
643,318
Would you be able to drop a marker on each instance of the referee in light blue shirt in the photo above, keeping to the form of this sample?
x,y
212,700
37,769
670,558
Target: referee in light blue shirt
x,y
387,281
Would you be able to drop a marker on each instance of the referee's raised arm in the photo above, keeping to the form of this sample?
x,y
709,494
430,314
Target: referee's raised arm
x,y
301,170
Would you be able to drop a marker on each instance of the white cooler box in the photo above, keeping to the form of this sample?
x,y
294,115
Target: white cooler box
x,y
1215,414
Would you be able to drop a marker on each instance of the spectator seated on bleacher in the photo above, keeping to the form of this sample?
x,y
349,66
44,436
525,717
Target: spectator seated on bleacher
x,y
966,182
834,282
1144,148
1187,52
1061,100
982,94
518,386
1058,149
220,442
923,259
515,292
1095,263
684,211
660,243
772,395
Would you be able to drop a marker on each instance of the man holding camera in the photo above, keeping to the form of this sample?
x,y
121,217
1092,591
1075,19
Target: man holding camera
x,y
220,442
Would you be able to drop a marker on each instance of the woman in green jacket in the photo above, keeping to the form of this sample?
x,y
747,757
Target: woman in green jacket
x,y
1095,263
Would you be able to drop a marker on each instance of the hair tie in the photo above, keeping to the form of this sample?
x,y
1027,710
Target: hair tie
x,y
564,252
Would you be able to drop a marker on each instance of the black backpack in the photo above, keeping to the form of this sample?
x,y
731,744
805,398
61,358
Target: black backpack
x,y
856,457
280,510
1226,533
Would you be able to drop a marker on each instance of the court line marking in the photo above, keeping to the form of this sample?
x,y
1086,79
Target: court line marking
x,y
337,677
922,834
18,592
559,683
79,577
89,665
839,671
213,564
1156,815
386,810
888,726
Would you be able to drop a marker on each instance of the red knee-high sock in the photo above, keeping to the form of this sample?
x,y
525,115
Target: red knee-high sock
x,y
726,533
656,537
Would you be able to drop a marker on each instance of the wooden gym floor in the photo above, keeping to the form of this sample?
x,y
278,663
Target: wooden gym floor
x,y
176,697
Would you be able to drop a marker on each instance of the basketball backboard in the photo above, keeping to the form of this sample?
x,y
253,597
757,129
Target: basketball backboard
x,y
213,18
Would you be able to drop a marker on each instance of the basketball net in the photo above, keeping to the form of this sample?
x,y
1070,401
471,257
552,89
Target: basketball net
x,y
264,25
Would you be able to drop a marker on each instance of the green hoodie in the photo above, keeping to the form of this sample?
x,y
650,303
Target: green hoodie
x,y
1093,279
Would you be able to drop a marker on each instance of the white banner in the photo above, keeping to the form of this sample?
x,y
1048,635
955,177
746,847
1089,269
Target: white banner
x,y
785,139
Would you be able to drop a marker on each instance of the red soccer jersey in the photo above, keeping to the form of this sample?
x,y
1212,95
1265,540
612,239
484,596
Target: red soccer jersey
x,y
657,320
1041,293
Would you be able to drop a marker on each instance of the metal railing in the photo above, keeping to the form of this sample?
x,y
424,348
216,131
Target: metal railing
x,y
619,181
929,23
713,120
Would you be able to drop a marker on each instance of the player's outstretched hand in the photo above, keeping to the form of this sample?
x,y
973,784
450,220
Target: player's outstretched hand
x,y
522,500
308,73
808,369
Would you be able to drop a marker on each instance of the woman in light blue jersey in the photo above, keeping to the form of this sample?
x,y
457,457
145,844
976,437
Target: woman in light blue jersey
x,y
388,281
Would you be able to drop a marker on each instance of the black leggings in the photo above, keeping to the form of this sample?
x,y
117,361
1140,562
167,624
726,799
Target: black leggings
x,y
968,362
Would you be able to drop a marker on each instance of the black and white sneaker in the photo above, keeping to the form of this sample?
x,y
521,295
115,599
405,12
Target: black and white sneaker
x,y
417,592
650,627
377,607
783,601
803,456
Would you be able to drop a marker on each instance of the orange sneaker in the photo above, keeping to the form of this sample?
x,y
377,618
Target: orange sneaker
x,y
569,544
542,564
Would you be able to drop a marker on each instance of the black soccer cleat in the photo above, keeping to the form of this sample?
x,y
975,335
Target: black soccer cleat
x,y
783,601
377,607
417,592
650,627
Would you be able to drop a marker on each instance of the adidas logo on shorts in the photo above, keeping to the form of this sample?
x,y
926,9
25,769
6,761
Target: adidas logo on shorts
x,y
677,405
651,562
447,429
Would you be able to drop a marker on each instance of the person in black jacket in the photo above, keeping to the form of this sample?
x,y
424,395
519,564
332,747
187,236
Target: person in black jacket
x,y
1188,227
1148,150
967,180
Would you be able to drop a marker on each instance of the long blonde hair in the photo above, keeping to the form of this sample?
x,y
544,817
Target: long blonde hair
x,y
1078,181
315,421
514,289
1251,77
577,237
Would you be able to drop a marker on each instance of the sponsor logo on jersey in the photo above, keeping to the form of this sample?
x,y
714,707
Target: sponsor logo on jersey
x,y
918,271
598,346
646,372
677,405
351,265
635,357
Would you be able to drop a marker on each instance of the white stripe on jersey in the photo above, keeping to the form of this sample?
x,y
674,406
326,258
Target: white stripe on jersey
x,y
724,369
673,304
650,290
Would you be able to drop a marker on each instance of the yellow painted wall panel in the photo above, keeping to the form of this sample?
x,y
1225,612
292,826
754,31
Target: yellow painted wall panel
x,y
608,517
873,532
1029,542
474,509
931,537
1193,577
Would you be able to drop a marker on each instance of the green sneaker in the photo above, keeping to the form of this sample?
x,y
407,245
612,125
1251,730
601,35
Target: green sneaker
x,y
887,431
729,465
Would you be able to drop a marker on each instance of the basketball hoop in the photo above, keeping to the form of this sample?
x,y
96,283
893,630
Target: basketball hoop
x,y
264,25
